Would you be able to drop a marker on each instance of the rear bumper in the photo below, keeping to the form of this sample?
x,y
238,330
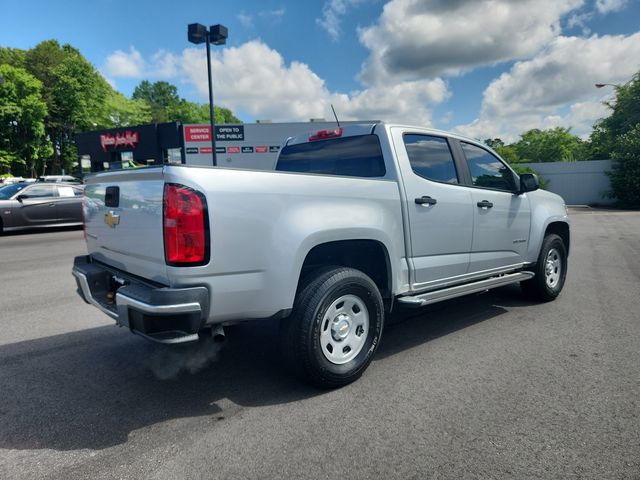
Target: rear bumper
x,y
161,314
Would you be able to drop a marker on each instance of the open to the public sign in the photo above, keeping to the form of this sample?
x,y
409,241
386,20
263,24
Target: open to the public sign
x,y
124,139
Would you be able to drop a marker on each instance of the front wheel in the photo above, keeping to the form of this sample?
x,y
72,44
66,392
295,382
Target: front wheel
x,y
335,327
550,270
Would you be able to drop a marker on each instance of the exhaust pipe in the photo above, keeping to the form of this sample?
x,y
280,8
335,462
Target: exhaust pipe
x,y
217,333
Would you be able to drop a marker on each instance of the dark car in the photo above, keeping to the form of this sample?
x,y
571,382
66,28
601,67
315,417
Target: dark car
x,y
29,205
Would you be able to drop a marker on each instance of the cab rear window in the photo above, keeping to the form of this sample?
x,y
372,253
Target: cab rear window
x,y
359,156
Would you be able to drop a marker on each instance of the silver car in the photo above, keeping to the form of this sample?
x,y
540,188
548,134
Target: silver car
x,y
33,205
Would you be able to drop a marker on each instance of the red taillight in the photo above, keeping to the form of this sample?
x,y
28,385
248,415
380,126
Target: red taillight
x,y
185,226
324,134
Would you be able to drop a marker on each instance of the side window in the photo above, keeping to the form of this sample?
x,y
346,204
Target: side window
x,y
358,156
40,191
486,169
431,158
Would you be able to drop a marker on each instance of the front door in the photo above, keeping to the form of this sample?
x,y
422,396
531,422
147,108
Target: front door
x,y
439,209
38,205
501,216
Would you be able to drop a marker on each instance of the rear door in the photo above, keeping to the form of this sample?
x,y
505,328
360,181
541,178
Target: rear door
x,y
69,204
439,208
501,216
123,221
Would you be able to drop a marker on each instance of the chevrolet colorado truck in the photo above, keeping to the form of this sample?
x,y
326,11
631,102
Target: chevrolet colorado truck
x,y
353,222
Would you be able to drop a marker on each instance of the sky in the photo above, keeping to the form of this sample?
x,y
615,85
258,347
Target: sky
x,y
482,68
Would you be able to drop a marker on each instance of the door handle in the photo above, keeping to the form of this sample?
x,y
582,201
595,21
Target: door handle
x,y
52,204
485,204
426,200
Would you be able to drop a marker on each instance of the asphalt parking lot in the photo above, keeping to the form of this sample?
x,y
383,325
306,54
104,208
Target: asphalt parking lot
x,y
489,386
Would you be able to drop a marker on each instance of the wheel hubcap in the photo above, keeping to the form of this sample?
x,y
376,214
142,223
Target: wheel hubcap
x,y
344,329
340,327
553,268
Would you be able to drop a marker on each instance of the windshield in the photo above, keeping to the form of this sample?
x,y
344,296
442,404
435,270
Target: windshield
x,y
9,191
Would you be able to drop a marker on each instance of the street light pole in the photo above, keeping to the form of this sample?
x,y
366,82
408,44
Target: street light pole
x,y
211,109
217,34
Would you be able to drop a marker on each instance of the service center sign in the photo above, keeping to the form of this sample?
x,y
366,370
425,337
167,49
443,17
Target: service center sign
x,y
198,133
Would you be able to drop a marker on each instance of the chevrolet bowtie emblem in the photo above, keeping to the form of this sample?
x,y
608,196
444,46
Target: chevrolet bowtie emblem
x,y
111,218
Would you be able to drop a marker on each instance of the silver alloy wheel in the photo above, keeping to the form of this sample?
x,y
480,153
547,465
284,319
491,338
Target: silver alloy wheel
x,y
553,268
344,329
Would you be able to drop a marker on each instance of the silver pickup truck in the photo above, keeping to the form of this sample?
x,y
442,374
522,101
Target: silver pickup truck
x,y
354,222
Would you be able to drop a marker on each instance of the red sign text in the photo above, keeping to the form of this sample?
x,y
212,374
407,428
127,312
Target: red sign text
x,y
124,139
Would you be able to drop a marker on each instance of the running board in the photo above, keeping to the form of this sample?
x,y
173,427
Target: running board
x,y
423,299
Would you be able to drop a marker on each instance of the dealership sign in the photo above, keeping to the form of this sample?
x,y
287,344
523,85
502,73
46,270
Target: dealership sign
x,y
224,133
197,133
120,139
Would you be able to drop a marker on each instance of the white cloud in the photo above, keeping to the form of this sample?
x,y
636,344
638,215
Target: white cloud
x,y
426,38
245,19
534,93
124,64
255,79
272,16
607,6
332,13
581,20
165,64
275,14
132,64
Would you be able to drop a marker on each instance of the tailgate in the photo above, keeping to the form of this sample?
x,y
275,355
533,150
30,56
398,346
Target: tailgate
x,y
123,221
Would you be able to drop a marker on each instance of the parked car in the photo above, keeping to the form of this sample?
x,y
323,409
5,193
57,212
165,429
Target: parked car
x,y
12,180
33,205
60,179
354,222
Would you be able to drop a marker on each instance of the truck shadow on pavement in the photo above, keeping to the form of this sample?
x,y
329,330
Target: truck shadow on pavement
x,y
92,388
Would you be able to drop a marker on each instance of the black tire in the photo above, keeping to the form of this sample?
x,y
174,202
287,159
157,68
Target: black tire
x,y
301,332
537,288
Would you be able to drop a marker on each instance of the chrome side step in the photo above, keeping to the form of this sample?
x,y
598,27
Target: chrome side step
x,y
460,290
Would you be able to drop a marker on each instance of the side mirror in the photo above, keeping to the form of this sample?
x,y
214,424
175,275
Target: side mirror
x,y
22,197
528,182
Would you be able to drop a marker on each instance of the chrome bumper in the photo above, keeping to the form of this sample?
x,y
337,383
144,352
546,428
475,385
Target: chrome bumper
x,y
161,314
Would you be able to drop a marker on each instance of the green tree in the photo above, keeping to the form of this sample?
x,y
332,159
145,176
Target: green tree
x,y
618,137
162,98
552,145
224,115
75,94
190,112
625,176
167,106
23,141
507,152
494,142
12,56
625,115
120,111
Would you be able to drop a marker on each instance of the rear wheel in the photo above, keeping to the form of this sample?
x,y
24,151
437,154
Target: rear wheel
x,y
335,327
550,270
